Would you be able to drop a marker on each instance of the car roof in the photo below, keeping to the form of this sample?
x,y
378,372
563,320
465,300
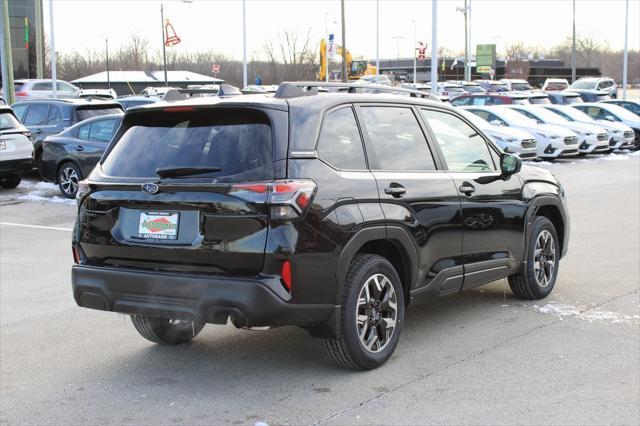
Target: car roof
x,y
70,101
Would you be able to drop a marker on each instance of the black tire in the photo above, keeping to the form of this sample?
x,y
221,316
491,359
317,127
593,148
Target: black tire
x,y
68,177
528,285
10,181
166,331
348,350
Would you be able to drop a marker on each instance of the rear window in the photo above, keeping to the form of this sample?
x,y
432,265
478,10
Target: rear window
x,y
239,142
8,121
540,100
90,112
520,86
573,100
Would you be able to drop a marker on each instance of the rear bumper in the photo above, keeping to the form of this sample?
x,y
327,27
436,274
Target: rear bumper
x,y
20,165
202,298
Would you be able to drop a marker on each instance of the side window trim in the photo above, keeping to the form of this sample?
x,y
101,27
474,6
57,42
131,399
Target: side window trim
x,y
488,142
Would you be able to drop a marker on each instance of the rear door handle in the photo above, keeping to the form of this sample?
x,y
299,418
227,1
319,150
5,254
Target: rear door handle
x,y
467,189
395,190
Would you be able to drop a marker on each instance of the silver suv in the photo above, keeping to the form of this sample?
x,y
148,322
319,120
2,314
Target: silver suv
x,y
605,84
43,89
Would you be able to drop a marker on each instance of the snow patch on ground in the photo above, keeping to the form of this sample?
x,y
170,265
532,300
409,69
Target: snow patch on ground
x,y
43,192
592,158
597,315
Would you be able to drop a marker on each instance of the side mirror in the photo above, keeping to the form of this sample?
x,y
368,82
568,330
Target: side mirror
x,y
510,164
495,122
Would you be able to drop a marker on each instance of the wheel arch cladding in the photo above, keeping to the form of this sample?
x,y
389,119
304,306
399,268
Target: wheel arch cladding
x,y
396,247
552,213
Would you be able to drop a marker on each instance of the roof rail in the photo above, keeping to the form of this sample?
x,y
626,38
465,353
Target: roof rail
x,y
297,89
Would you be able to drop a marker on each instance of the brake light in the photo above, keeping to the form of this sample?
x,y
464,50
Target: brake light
x,y
288,199
76,255
286,274
178,109
22,94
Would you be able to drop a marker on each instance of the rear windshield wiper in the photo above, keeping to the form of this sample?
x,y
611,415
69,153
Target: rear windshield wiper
x,y
168,172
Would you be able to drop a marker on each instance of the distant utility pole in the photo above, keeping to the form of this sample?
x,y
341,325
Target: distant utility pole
x,y
39,40
467,45
434,47
626,52
415,43
106,46
54,82
573,46
397,39
244,44
7,60
344,45
377,41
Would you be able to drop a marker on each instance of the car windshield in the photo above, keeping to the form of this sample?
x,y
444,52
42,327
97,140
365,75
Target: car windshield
x,y
621,113
574,99
500,86
583,84
454,89
547,116
8,121
572,114
536,100
472,88
474,119
513,117
235,142
86,113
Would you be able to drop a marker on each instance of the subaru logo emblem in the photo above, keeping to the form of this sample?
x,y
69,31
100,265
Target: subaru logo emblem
x,y
150,188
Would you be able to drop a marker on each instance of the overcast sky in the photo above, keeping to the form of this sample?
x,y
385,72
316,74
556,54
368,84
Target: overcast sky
x,y
217,24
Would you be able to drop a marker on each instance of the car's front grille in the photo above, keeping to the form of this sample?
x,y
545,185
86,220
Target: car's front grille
x,y
603,137
628,134
529,143
571,140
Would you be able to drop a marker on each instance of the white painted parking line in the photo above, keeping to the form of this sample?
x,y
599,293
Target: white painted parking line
x,y
24,225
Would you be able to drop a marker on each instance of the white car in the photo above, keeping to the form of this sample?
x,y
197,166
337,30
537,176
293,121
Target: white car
x,y
606,84
592,138
614,114
43,89
514,141
16,149
108,94
553,141
620,136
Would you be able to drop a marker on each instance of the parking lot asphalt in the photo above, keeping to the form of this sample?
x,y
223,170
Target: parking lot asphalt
x,y
480,357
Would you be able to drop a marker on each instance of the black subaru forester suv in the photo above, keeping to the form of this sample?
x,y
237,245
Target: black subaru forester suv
x,y
331,211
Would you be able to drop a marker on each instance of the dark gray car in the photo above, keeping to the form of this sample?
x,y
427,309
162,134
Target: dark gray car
x,y
48,117
69,157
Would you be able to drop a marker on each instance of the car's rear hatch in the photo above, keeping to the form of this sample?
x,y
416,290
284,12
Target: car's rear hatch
x,y
181,190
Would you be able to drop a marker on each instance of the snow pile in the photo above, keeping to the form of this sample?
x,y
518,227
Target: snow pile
x,y
43,192
597,315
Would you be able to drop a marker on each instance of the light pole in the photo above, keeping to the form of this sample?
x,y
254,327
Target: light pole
x,y
326,48
7,59
244,44
434,47
626,52
465,11
573,46
415,42
344,45
397,39
54,83
106,46
377,41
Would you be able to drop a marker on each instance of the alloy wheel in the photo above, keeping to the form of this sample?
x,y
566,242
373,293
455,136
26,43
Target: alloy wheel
x,y
376,312
544,258
69,180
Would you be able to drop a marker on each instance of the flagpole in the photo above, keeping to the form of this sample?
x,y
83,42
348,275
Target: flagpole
x,y
434,47
164,46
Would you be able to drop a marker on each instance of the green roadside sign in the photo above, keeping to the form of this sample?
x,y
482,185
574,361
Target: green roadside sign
x,y
486,55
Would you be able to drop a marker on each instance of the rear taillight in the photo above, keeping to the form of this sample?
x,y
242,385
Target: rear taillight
x,y
286,275
76,254
287,199
22,94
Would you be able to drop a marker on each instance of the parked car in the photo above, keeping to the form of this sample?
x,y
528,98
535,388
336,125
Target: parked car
x,y
379,79
555,84
553,141
137,100
629,105
517,85
471,87
592,95
48,117
620,135
107,94
450,90
492,86
591,137
514,141
243,215
538,98
16,150
605,84
43,89
69,157
565,97
613,113
490,99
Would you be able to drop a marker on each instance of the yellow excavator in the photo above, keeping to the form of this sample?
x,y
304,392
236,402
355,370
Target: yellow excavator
x,y
355,69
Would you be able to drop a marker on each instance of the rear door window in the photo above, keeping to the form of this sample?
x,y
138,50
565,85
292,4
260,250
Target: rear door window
x,y
83,132
340,144
43,86
102,130
37,115
55,115
463,148
19,111
396,139
238,141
